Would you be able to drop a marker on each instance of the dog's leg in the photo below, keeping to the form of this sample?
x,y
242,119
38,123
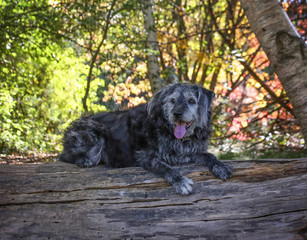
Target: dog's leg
x,y
218,169
84,143
93,155
182,184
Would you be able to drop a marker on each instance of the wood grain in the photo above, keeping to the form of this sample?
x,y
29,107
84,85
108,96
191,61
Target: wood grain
x,y
265,199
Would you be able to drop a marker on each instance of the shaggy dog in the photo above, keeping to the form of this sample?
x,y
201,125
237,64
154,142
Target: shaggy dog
x,y
173,128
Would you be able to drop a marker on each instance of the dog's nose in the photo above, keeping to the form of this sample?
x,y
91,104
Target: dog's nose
x,y
177,114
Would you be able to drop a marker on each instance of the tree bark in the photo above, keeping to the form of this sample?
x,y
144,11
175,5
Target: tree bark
x,y
285,50
153,68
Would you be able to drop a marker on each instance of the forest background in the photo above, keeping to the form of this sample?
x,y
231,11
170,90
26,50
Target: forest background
x,y
62,59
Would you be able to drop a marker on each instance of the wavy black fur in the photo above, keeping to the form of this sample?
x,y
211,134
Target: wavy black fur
x,y
144,136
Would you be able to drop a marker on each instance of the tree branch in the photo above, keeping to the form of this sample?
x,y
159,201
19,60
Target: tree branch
x,y
93,60
266,87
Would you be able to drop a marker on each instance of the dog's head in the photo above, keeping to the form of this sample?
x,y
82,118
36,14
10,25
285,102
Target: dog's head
x,y
185,107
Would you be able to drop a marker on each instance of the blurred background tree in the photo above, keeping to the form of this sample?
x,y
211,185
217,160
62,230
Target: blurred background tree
x,y
62,59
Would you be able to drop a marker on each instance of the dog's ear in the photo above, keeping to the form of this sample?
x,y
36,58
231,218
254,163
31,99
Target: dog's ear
x,y
205,98
210,94
154,105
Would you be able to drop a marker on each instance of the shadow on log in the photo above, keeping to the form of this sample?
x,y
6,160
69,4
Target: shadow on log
x,y
265,199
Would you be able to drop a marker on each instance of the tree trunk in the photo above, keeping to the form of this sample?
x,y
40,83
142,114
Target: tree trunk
x,y
265,199
152,47
285,50
182,43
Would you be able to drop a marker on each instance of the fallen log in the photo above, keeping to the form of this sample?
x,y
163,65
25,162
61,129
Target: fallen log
x,y
265,199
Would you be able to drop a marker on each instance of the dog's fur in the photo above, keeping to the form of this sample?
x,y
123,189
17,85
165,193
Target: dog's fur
x,y
173,128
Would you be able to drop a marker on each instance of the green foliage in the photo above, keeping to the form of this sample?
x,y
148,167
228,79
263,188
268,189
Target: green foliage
x,y
36,104
264,154
24,57
45,50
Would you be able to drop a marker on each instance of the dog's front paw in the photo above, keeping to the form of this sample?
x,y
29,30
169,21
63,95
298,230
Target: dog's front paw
x,y
184,186
222,171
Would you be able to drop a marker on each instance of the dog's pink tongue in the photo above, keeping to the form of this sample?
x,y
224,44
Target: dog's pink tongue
x,y
180,130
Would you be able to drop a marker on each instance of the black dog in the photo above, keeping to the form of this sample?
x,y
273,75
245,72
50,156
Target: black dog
x,y
173,128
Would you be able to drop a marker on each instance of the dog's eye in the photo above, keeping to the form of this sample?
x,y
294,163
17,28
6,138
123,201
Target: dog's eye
x,y
191,101
172,100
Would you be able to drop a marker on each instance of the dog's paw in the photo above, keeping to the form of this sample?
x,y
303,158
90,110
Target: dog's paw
x,y
184,186
222,171
85,163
